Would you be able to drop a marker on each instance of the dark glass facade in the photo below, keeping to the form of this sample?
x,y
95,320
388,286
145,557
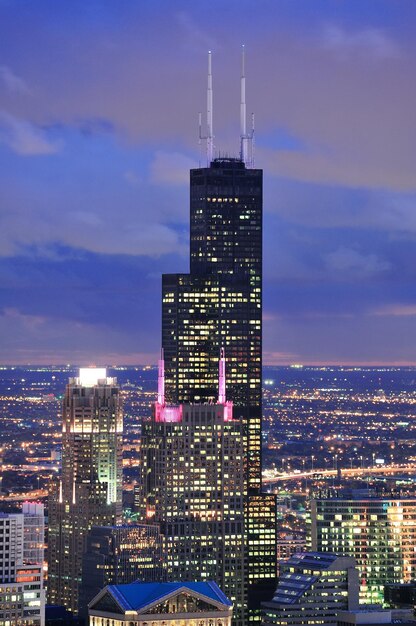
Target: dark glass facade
x,y
219,303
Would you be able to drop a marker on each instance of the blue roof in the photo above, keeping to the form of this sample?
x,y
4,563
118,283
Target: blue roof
x,y
137,595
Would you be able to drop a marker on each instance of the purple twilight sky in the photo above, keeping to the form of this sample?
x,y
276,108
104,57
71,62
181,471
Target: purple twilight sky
x,y
99,103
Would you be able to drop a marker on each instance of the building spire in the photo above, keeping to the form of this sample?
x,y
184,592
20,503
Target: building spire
x,y
210,128
243,114
221,379
209,137
246,139
161,380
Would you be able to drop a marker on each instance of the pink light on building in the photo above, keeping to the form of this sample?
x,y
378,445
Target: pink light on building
x,y
221,379
228,411
161,380
167,414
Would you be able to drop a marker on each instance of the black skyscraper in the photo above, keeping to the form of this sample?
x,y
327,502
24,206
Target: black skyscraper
x,y
218,304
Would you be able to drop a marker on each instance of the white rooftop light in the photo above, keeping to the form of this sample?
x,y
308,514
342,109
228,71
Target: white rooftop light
x,y
89,376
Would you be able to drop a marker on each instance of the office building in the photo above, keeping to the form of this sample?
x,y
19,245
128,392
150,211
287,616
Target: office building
x,y
313,587
22,598
168,604
117,555
193,486
89,492
219,305
379,532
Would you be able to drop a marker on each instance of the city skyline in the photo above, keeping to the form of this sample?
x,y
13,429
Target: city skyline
x,y
98,130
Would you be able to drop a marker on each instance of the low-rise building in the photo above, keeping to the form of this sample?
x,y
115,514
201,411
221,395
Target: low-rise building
x,y
161,604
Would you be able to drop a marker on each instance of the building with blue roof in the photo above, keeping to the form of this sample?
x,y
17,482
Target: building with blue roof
x,y
161,604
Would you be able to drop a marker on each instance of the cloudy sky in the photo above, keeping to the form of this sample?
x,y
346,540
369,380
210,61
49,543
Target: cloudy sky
x,y
99,104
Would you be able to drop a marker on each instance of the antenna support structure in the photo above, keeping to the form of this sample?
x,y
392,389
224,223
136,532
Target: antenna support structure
x,y
246,138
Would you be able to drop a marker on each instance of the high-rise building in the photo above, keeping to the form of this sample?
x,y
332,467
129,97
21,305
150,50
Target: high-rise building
x,y
193,486
379,532
118,555
22,596
219,304
89,492
312,589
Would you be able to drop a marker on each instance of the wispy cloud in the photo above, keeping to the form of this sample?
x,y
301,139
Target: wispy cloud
x,y
171,168
352,262
372,42
12,82
25,138
396,310
195,37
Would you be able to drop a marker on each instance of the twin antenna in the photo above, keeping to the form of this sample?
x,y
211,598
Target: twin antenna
x,y
246,139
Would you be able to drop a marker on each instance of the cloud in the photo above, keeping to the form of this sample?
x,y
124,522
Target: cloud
x,y
132,178
171,168
27,338
279,358
195,37
370,42
12,82
25,138
352,262
396,310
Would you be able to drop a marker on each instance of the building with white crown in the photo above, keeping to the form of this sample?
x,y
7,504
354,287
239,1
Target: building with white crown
x,y
89,491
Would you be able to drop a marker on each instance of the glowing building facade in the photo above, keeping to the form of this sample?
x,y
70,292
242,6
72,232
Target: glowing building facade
x,y
380,533
90,490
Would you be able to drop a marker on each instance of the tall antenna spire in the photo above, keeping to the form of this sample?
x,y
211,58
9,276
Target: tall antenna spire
x,y
243,114
161,380
210,129
221,379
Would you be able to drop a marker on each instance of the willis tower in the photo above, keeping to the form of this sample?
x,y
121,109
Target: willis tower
x,y
219,305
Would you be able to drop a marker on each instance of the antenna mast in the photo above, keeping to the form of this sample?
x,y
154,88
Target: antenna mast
x,y
243,114
210,134
246,139
210,128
